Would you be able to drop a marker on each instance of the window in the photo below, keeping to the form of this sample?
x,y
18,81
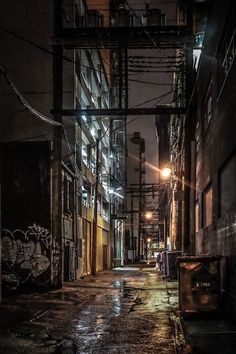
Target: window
x,y
227,187
197,136
68,196
207,207
86,194
208,106
227,56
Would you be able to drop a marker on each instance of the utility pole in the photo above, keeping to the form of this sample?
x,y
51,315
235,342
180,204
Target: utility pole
x,y
188,130
0,239
132,226
95,213
57,249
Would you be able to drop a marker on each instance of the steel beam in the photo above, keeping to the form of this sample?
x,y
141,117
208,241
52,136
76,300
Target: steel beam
x,y
161,109
128,37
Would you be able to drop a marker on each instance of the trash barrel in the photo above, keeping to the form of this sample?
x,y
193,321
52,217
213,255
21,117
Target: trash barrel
x,y
164,263
172,265
199,284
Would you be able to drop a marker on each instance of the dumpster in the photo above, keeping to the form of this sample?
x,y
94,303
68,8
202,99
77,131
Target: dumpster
x,y
171,264
199,284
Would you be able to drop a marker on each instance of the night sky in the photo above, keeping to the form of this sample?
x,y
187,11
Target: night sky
x,y
142,92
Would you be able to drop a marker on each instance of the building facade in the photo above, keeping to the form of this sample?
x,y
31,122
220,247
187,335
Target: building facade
x,y
203,142
214,156
56,171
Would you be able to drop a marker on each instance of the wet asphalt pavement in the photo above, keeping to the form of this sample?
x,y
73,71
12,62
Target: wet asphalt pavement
x,y
125,310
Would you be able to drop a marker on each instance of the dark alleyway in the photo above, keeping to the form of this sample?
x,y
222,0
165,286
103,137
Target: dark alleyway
x,y
126,310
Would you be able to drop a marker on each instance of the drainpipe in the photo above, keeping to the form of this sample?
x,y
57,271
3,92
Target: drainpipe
x,y
57,248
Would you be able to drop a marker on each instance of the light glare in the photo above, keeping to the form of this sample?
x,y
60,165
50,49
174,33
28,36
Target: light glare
x,y
166,172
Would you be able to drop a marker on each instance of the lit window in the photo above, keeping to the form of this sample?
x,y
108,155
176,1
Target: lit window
x,y
196,57
196,217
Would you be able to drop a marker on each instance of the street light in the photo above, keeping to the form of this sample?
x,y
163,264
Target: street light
x,y
166,172
148,215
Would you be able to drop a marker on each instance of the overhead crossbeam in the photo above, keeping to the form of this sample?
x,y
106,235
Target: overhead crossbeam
x,y
161,109
128,37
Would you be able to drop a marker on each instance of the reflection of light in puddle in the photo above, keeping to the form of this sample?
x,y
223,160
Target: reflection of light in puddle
x,y
117,305
117,299
100,321
92,324
118,284
81,327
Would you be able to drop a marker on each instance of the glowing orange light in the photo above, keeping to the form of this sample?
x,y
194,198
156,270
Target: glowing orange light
x,y
166,172
148,215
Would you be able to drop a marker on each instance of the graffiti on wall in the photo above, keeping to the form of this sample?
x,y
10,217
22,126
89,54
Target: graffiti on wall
x,y
26,256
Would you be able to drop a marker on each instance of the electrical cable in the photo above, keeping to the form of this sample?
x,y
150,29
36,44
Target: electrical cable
x,y
150,83
140,22
39,115
52,122
43,117
159,99
133,66
47,51
64,57
152,71
145,30
179,54
25,103
152,99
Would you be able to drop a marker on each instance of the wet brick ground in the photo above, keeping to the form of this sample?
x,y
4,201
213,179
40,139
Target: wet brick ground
x,y
126,310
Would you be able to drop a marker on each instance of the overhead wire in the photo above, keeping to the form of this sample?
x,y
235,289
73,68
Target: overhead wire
x,y
131,57
35,112
50,121
144,28
133,66
39,47
65,58
150,83
152,71
39,115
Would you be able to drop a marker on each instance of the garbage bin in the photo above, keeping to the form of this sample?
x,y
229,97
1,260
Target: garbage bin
x,y
199,284
172,265
164,263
